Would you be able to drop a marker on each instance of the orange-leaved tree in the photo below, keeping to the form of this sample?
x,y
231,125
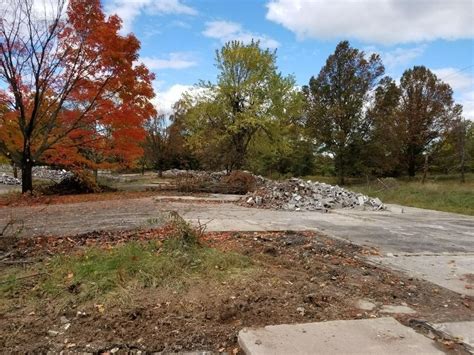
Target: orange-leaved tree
x,y
72,91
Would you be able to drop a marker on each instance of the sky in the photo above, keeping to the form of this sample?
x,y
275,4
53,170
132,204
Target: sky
x,y
179,37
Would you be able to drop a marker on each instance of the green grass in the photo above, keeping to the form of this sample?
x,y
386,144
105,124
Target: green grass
x,y
440,192
441,195
101,274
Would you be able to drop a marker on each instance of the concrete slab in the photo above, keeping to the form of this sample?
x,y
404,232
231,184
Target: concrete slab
x,y
463,331
366,336
454,272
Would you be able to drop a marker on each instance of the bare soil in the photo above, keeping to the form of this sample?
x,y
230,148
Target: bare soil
x,y
300,277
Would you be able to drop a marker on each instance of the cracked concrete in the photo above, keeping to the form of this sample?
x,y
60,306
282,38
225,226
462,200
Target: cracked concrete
x,y
423,243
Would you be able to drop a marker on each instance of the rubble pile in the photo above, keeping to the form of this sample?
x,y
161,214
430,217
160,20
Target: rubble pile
x,y
9,180
299,195
43,172
215,176
39,172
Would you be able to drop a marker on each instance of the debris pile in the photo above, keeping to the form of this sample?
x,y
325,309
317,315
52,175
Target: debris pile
x,y
9,180
214,176
39,172
299,195
44,172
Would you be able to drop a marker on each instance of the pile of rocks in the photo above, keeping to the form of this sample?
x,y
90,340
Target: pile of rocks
x,y
299,195
9,180
39,172
201,174
44,172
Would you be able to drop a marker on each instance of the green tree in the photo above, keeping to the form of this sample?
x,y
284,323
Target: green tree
x,y
249,98
383,151
336,101
425,112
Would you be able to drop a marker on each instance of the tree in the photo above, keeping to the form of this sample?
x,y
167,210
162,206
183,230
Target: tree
x,y
249,97
74,94
383,151
456,148
336,101
425,111
165,146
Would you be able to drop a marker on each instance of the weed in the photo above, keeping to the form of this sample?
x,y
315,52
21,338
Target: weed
x,y
97,273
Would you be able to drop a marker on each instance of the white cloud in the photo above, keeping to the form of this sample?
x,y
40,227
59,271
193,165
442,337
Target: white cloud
x,y
165,100
397,57
178,60
458,79
462,83
376,21
128,10
226,31
467,102
401,56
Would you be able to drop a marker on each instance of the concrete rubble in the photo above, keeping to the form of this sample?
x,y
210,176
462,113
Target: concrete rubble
x,y
300,195
39,172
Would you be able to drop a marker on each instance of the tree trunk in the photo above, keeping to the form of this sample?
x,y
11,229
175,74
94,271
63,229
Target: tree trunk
x,y
463,152
15,170
425,169
411,166
27,176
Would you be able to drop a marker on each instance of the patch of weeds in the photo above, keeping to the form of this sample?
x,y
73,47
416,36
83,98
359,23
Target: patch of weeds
x,y
96,273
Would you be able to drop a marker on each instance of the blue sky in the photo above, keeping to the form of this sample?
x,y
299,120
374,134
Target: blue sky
x,y
179,37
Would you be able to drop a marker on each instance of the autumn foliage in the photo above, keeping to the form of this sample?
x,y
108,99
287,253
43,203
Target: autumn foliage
x,y
75,95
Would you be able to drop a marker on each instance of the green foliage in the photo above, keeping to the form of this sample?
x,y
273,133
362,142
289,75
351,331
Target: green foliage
x,y
250,99
425,112
335,105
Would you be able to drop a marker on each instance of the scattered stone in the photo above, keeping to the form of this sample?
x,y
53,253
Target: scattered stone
x,y
53,333
301,311
397,309
63,320
365,305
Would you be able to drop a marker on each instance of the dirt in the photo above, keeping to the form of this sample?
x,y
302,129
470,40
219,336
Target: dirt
x,y
38,199
300,277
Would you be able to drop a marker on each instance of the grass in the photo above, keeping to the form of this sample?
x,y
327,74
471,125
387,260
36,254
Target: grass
x,y
440,195
440,192
104,274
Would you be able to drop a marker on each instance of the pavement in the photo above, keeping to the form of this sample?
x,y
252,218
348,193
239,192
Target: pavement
x,y
364,336
435,246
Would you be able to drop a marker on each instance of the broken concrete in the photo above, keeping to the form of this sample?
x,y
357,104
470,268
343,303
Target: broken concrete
x,y
367,336
452,271
462,331
299,195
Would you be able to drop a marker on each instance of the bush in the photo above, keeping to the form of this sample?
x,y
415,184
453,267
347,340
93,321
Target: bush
x,y
240,182
81,182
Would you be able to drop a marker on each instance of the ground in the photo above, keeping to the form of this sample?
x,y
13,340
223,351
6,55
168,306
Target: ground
x,y
284,267
293,277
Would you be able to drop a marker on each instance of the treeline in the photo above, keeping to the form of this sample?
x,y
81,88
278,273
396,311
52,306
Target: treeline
x,y
350,120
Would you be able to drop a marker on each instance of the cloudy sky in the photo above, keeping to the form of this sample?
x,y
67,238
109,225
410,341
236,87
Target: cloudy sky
x,y
179,37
